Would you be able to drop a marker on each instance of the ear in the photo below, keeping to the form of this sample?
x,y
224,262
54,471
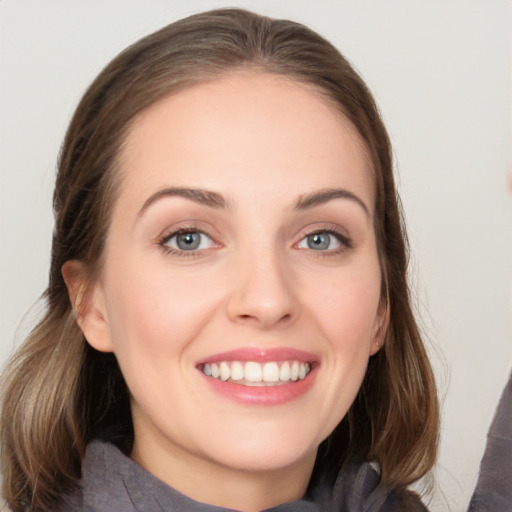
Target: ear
x,y
381,327
88,302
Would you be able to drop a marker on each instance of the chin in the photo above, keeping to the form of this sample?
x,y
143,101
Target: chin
x,y
263,450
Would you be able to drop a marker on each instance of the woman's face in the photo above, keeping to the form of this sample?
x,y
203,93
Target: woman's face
x,y
240,290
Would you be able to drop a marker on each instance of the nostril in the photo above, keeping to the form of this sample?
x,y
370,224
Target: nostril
x,y
259,318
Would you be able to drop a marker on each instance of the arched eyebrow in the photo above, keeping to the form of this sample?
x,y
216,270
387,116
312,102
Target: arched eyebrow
x,y
216,200
323,196
198,195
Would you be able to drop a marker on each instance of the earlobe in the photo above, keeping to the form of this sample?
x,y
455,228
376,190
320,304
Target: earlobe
x,y
381,328
87,300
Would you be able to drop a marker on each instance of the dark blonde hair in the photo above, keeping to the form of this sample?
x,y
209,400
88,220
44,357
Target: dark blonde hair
x,y
59,393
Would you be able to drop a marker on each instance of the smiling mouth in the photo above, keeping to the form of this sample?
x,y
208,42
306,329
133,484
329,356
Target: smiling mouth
x,y
252,373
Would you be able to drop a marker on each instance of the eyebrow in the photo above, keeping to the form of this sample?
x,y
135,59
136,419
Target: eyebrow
x,y
206,197
323,196
216,200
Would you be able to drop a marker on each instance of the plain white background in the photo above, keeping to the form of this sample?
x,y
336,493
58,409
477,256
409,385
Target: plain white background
x,y
440,71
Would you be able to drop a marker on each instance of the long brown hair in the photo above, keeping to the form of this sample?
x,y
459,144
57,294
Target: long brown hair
x,y
59,393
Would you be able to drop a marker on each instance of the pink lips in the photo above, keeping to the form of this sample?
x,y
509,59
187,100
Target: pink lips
x,y
264,395
260,355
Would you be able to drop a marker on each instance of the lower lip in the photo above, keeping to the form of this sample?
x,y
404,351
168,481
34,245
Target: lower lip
x,y
262,395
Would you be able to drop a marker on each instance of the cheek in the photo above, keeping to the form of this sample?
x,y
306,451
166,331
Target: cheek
x,y
346,307
156,309
345,312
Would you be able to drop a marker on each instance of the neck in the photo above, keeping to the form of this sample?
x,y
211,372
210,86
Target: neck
x,y
208,482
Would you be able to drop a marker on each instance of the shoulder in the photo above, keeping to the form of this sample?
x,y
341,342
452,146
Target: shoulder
x,y
103,483
358,487
403,500
112,481
494,487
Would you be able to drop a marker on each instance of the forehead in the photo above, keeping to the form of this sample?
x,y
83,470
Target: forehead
x,y
255,126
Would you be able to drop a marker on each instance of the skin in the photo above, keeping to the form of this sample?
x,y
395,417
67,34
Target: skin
x,y
263,142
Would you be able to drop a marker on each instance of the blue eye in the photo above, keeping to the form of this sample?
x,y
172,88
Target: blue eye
x,y
323,241
188,241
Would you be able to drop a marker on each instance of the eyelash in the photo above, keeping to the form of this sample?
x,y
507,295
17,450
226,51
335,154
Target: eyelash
x,y
344,241
164,240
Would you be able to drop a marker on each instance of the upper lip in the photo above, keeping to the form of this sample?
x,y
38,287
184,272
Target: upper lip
x,y
260,355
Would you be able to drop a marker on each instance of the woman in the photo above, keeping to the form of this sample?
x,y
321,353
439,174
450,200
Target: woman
x,y
228,317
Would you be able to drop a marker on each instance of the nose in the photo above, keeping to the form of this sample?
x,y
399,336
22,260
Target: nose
x,y
262,291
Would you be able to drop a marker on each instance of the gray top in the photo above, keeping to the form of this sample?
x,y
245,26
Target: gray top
x,y
112,482
493,492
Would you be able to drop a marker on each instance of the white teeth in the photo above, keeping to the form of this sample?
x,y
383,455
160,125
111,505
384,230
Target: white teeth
x,y
253,373
237,371
271,372
294,373
225,372
285,372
